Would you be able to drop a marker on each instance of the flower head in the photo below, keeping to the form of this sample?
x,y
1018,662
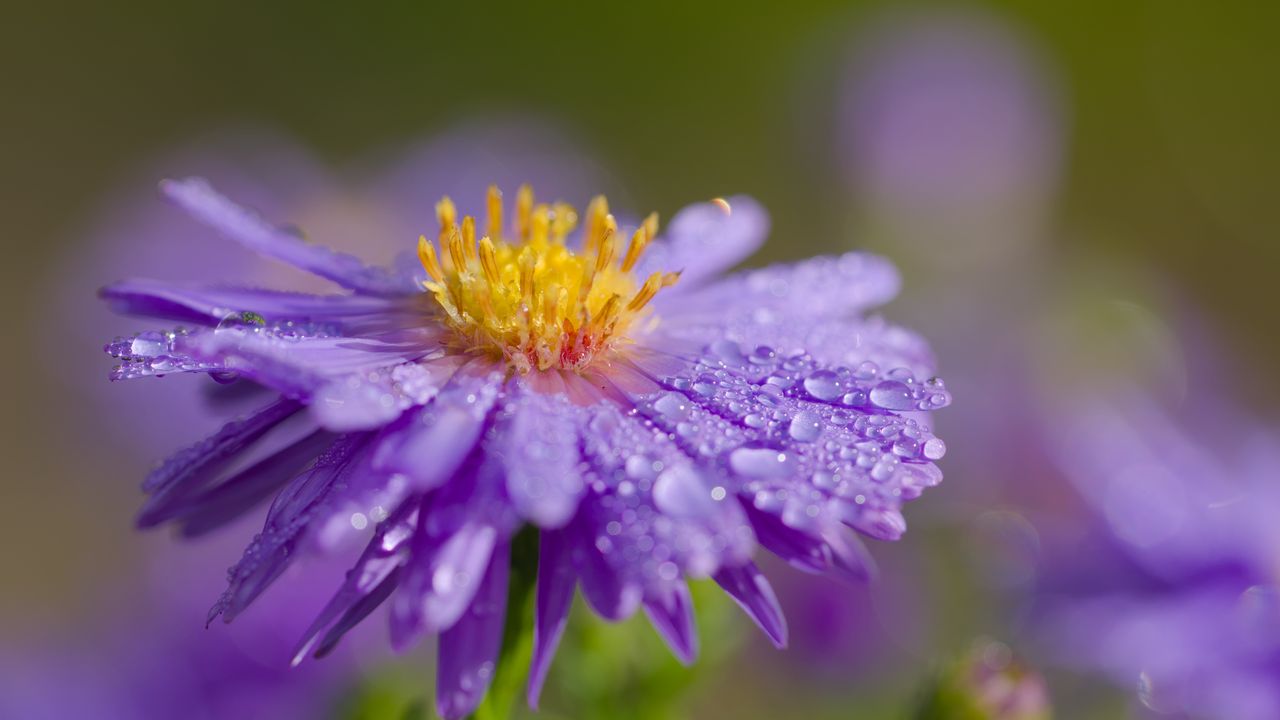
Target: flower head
x,y
537,378
533,301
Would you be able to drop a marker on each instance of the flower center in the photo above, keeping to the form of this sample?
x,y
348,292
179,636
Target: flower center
x,y
530,298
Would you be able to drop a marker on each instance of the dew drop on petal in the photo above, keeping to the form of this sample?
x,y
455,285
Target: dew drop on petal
x,y
680,492
805,427
760,462
892,395
672,405
823,385
934,449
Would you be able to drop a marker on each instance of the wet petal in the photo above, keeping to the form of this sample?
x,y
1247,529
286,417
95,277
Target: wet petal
x,y
670,611
469,649
704,240
194,467
428,445
539,447
752,591
205,305
440,581
556,581
288,520
371,399
249,229
822,287
236,495
366,585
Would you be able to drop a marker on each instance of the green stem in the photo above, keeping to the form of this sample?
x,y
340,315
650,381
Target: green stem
x,y
517,633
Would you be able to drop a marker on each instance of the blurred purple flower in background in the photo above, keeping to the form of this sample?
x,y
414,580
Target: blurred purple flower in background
x,y
148,656
652,436
949,131
950,127
950,134
1175,594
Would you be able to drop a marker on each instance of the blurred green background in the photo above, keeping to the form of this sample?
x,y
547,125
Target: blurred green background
x,y
1169,115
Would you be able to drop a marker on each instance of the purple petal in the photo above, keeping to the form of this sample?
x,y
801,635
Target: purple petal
x,y
670,611
358,611
192,468
606,590
540,452
247,228
212,305
819,288
430,444
556,580
378,565
652,513
369,400
273,549
849,557
749,587
799,549
468,650
233,497
441,579
810,444
298,366
704,240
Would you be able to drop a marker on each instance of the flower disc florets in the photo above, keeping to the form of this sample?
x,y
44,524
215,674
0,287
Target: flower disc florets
x,y
531,299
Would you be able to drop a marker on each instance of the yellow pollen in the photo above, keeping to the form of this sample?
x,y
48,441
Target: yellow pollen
x,y
528,297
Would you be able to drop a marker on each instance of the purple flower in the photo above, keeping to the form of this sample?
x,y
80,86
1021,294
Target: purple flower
x,y
1177,598
652,421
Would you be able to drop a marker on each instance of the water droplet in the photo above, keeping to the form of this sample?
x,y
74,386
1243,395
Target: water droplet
x,y
760,462
906,447
763,355
857,398
728,352
640,467
866,370
680,492
935,449
823,385
672,405
892,395
148,344
805,427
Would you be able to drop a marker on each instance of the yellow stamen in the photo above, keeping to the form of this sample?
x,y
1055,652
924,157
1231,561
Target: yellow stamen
x,y
447,214
597,211
469,237
541,226
524,209
427,254
650,288
563,220
532,300
493,206
638,243
489,261
457,255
